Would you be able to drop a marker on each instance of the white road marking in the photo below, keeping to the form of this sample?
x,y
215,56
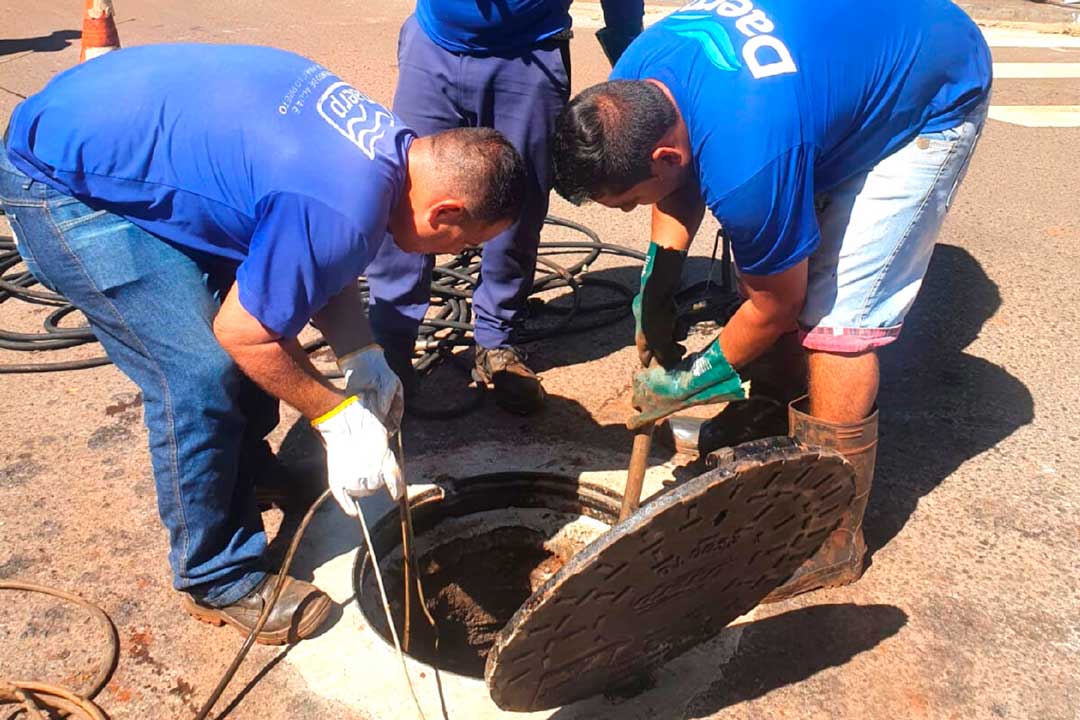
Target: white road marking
x,y
1034,70
1012,37
1037,115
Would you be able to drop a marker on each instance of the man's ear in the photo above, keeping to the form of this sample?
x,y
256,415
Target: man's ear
x,y
668,162
447,212
666,155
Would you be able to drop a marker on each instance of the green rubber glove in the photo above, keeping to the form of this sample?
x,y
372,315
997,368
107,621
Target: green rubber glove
x,y
654,307
701,378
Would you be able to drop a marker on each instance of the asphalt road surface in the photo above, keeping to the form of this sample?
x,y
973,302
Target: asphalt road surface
x,y
971,606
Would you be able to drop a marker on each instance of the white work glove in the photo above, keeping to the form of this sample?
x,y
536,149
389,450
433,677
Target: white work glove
x,y
359,460
369,377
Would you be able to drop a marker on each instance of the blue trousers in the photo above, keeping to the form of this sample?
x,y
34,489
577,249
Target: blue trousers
x,y
152,307
519,95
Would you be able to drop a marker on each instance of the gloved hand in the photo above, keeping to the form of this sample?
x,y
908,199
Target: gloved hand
x,y
369,377
359,460
614,42
703,377
654,307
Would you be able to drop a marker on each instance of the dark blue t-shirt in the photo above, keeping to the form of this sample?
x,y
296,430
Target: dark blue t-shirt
x,y
250,154
787,99
487,27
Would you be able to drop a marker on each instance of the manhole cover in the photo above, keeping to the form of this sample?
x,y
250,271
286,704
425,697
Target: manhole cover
x,y
671,576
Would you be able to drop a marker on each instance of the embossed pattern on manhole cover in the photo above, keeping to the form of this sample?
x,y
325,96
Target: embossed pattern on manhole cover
x,y
673,575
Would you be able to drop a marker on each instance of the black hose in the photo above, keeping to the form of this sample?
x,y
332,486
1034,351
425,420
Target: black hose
x,y
449,327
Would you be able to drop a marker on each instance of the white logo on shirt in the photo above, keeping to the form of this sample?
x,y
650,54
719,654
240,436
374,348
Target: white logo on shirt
x,y
355,116
756,27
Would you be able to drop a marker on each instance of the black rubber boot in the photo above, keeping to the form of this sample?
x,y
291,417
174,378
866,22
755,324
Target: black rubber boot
x,y
776,378
840,559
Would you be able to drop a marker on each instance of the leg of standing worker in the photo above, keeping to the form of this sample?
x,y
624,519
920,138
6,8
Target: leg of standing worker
x,y
519,96
148,305
843,386
400,282
877,235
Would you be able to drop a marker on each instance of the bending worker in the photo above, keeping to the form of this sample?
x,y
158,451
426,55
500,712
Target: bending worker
x,y
828,142
219,199
506,66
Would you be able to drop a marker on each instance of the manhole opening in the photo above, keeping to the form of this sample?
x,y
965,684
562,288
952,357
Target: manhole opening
x,y
478,570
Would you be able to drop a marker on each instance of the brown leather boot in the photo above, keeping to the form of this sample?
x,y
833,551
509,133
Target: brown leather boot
x,y
839,561
300,611
517,388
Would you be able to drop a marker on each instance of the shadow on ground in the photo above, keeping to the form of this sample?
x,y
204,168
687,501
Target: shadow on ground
x,y
55,41
773,652
789,648
938,403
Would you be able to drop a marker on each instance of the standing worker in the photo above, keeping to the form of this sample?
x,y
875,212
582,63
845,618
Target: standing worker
x,y
474,63
199,204
828,141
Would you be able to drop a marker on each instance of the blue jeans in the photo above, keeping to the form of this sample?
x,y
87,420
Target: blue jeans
x,y
152,307
520,96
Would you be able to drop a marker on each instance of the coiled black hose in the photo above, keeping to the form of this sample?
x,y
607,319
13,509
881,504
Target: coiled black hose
x,y
448,327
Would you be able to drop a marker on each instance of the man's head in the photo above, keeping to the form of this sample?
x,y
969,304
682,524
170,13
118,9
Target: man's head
x,y
464,187
621,143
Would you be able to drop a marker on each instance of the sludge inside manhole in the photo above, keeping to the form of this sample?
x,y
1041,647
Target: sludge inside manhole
x,y
483,546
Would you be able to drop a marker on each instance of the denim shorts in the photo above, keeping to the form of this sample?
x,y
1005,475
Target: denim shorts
x,y
877,235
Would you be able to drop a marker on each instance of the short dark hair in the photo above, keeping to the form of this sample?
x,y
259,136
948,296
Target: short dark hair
x,y
605,137
488,172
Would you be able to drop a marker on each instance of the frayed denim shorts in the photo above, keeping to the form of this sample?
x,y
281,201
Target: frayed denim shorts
x,y
877,235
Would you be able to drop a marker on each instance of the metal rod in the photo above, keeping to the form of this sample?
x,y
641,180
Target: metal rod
x,y
635,475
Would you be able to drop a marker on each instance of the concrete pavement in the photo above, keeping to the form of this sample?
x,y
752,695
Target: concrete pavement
x,y
971,607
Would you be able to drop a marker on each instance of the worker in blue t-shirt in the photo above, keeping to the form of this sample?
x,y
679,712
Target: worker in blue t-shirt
x,y
200,204
828,140
503,65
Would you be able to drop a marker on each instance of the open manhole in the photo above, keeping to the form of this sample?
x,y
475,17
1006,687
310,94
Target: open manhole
x,y
484,545
535,588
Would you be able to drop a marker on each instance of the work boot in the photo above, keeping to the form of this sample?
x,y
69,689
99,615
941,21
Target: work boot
x,y
300,611
839,561
517,388
776,378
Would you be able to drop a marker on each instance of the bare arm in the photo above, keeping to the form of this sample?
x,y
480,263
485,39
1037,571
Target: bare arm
x,y
772,308
278,365
773,301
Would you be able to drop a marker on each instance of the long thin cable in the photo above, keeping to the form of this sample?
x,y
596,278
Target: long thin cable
x,y
279,584
32,694
409,557
386,606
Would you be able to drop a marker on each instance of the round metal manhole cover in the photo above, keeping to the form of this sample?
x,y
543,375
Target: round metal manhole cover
x,y
670,577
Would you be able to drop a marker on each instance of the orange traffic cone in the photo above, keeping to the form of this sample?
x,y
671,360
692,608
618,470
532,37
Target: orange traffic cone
x,y
99,30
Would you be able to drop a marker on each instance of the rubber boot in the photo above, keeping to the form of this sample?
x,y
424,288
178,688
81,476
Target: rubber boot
x,y
776,378
839,561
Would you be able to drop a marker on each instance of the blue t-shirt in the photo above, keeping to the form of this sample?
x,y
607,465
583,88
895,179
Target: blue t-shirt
x,y
257,156
484,27
787,99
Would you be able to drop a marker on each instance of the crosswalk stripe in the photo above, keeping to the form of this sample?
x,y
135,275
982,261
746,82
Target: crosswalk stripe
x,y
1010,37
1037,115
1035,70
